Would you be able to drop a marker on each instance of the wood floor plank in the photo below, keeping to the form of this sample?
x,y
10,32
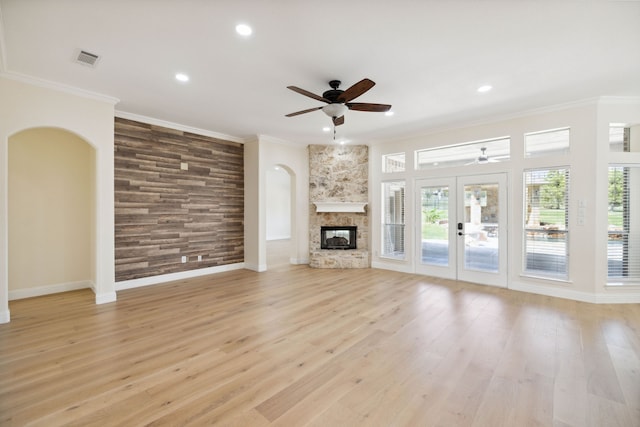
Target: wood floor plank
x,y
296,346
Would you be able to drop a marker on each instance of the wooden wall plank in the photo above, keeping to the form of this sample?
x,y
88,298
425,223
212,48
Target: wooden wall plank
x,y
163,212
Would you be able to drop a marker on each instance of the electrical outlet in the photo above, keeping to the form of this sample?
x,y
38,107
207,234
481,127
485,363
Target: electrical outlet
x,y
184,259
199,258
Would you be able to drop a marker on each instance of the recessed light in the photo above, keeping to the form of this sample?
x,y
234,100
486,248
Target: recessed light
x,y
181,77
389,113
244,30
485,88
326,129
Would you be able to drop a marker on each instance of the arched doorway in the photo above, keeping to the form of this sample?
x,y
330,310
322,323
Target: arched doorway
x,y
51,212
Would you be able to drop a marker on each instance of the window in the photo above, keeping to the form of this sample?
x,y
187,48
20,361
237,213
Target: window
x,y
623,245
393,163
624,138
393,219
469,153
546,217
547,142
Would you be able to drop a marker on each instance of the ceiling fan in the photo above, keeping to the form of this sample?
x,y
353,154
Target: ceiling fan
x,y
483,158
338,101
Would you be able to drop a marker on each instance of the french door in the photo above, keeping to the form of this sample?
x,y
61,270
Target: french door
x,y
462,228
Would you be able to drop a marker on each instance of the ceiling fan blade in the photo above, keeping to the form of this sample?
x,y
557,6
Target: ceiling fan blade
x,y
297,113
337,121
309,94
364,106
356,90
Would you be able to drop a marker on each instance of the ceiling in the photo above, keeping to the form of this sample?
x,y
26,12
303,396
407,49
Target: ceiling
x,y
427,58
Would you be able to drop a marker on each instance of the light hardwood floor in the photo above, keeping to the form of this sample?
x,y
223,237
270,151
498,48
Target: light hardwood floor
x,y
296,346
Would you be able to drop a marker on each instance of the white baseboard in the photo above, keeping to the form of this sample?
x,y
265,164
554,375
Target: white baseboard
x,y
283,237
296,261
631,297
5,316
105,297
163,278
401,268
49,289
255,267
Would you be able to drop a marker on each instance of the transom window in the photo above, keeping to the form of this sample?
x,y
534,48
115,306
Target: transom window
x,y
393,163
624,138
470,153
555,141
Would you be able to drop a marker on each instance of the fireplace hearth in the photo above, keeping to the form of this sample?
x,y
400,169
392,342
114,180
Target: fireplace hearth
x,y
338,237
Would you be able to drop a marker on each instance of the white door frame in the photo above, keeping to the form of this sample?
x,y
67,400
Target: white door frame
x,y
459,239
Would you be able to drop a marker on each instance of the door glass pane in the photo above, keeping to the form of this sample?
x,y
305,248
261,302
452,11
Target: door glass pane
x,y
435,225
481,227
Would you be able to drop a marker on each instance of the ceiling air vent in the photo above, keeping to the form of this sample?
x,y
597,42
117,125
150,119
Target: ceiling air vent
x,y
87,58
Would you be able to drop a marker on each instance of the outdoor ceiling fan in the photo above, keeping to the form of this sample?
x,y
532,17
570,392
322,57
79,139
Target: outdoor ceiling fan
x,y
483,158
338,101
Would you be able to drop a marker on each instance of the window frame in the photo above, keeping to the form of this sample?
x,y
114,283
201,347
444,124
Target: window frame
x,y
538,273
384,253
564,151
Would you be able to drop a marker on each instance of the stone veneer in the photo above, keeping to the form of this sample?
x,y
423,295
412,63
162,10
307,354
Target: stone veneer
x,y
338,174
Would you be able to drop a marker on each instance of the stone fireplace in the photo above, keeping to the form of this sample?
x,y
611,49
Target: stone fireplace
x,y
338,194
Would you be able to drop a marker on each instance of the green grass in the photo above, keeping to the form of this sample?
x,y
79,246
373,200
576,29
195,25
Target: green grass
x,y
552,216
434,231
556,216
615,218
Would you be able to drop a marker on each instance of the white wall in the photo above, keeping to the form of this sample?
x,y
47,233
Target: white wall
x,y
295,159
261,155
278,204
24,106
254,216
588,162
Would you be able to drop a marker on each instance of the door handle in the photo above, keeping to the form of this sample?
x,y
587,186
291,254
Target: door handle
x,y
460,228
460,233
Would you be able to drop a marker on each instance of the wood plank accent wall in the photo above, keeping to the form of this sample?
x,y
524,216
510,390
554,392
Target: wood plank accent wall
x,y
163,212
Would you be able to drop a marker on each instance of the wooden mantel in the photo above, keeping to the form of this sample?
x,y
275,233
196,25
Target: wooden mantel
x,y
355,207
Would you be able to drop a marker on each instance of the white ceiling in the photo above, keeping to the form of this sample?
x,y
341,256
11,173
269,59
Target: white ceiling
x,y
426,57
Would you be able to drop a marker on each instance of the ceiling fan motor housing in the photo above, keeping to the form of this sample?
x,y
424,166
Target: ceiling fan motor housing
x,y
333,94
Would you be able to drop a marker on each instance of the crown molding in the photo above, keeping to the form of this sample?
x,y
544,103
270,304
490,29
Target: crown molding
x,y
178,126
499,118
59,87
619,100
274,140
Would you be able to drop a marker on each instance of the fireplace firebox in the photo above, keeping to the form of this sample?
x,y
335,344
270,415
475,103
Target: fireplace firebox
x,y
338,237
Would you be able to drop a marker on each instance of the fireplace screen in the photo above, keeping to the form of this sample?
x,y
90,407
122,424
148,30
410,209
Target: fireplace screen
x,y
338,237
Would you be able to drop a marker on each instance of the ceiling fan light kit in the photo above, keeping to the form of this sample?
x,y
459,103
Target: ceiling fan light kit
x,y
338,101
334,110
